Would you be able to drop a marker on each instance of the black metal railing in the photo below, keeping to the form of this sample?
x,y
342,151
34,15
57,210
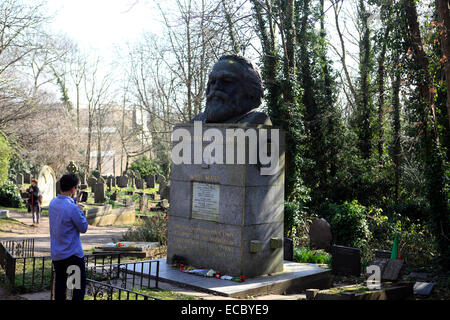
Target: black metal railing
x,y
25,272
109,280
105,291
20,248
106,272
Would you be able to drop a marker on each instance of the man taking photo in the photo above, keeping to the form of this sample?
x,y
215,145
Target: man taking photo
x,y
67,221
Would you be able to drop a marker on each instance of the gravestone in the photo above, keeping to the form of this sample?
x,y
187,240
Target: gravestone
x,y
99,193
382,254
26,178
92,181
423,288
288,249
122,182
113,181
160,178
109,183
72,168
346,261
47,184
226,216
140,183
392,270
4,214
150,180
165,192
320,236
143,203
114,196
19,179
58,187
381,263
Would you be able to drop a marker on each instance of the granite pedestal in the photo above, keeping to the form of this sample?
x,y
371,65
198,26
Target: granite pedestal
x,y
227,217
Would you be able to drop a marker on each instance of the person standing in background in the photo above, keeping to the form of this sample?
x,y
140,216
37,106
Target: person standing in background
x,y
33,202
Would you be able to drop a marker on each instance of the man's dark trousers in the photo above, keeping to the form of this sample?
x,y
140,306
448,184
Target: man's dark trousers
x,y
61,278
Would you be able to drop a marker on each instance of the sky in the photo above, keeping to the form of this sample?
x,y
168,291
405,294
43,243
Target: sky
x,y
99,25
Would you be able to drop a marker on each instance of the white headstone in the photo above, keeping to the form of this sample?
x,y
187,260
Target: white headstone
x,y
47,184
4,214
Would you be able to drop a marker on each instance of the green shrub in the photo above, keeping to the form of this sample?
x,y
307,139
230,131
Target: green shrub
x,y
412,209
306,255
145,166
10,195
416,242
349,224
154,229
291,213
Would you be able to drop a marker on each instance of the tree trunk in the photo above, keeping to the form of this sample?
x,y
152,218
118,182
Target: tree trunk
x,y
434,172
443,9
381,100
365,135
396,150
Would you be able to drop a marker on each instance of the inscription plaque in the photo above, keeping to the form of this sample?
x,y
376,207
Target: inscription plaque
x,y
205,201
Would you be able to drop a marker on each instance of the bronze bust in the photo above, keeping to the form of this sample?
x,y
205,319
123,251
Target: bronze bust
x,y
234,92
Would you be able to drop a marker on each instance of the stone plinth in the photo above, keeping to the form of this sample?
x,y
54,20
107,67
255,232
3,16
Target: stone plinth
x,y
107,216
227,217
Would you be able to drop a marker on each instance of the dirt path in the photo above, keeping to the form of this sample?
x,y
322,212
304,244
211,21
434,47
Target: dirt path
x,y
95,236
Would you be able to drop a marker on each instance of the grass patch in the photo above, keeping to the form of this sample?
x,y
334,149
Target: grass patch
x,y
25,210
156,293
306,255
31,277
12,225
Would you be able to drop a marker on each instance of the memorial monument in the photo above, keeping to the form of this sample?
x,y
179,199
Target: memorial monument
x,y
228,215
47,185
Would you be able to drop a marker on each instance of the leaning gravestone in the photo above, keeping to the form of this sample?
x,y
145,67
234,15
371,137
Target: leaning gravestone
x,y
423,288
320,236
392,270
346,261
47,184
